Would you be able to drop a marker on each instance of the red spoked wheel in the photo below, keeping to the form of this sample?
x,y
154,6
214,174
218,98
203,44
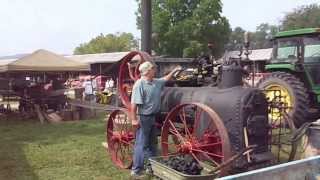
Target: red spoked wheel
x,y
127,76
120,138
196,129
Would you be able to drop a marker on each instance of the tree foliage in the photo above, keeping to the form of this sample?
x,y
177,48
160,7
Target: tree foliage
x,y
108,43
302,17
259,39
185,27
236,38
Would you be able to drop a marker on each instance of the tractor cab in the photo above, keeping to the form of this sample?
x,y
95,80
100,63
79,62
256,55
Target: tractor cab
x,y
294,72
297,46
298,52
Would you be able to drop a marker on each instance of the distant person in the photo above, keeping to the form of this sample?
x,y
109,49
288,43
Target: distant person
x,y
109,85
49,86
89,87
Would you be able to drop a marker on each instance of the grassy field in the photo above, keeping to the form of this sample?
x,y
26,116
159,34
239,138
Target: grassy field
x,y
65,151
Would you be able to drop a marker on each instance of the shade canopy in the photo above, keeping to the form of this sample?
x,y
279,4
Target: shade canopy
x,y
43,61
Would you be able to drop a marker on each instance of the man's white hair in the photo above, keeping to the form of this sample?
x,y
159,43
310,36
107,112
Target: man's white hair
x,y
145,67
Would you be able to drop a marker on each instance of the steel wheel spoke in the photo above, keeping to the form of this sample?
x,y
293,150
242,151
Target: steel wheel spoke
x,y
176,131
126,142
211,144
117,123
211,154
125,123
195,157
197,119
121,153
124,155
170,144
211,133
129,151
117,150
174,153
110,132
184,122
209,158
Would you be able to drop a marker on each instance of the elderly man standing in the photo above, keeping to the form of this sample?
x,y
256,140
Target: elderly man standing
x,y
146,100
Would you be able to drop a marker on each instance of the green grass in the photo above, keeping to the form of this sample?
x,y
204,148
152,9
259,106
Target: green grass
x,y
64,151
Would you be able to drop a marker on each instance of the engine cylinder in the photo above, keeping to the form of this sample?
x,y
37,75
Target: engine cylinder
x,y
231,76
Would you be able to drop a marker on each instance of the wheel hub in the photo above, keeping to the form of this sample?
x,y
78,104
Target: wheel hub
x,y
186,147
127,137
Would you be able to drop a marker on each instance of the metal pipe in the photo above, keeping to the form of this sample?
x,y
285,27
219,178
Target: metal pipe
x,y
146,26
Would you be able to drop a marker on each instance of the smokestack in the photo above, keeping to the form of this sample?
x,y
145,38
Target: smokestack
x,y
246,39
146,26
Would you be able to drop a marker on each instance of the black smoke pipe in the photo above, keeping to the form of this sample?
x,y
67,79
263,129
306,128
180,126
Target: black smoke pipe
x,y
146,31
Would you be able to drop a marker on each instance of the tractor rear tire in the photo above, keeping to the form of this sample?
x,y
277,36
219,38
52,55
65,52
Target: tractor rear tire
x,y
296,90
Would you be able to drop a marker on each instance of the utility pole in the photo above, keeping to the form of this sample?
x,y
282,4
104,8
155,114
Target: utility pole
x,y
146,25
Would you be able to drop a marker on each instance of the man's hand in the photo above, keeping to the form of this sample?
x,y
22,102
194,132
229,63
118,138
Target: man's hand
x,y
177,68
135,123
170,75
133,116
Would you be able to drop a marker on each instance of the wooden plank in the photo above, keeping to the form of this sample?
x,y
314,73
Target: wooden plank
x,y
39,113
91,105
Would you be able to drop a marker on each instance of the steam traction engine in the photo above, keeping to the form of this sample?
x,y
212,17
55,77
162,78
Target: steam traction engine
x,y
213,124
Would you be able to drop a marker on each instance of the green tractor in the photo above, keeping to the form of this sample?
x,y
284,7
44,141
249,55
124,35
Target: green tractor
x,y
294,72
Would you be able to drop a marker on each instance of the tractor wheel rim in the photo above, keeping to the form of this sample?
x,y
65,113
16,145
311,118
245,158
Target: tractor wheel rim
x,y
277,93
281,129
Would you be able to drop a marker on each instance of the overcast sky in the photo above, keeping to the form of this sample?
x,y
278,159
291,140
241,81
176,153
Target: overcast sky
x,y
61,25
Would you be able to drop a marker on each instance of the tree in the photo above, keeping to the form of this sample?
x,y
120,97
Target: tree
x,y
185,27
259,39
236,38
302,17
108,43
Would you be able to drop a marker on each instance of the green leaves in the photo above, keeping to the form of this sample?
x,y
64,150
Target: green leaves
x,y
184,27
302,17
108,43
258,39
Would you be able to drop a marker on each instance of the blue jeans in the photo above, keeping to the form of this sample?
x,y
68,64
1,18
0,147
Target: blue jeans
x,y
146,142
